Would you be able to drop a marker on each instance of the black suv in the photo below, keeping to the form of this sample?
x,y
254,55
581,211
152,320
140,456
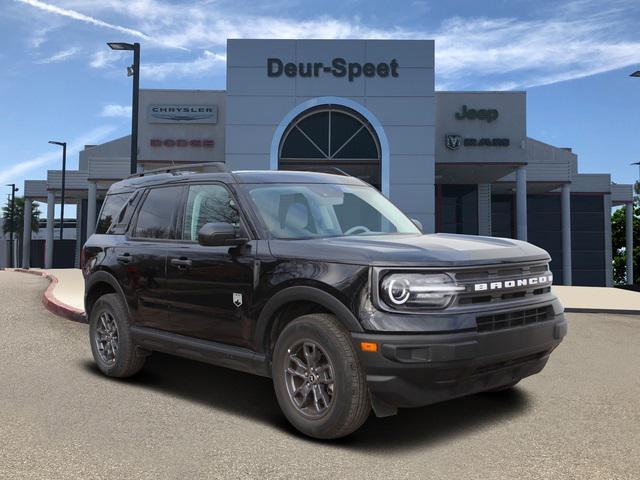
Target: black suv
x,y
319,282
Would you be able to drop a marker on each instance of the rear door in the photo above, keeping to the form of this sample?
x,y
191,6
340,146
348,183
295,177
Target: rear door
x,y
209,289
143,256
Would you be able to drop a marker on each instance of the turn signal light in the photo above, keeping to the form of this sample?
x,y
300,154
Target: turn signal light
x,y
369,346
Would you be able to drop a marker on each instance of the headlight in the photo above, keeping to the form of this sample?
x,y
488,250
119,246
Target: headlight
x,y
407,291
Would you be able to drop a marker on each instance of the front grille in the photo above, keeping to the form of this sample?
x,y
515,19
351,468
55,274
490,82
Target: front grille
x,y
500,274
508,363
491,323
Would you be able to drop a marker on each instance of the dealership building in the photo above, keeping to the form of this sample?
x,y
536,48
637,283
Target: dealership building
x,y
458,162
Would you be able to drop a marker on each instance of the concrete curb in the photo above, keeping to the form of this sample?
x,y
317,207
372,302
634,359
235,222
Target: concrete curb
x,y
51,303
611,311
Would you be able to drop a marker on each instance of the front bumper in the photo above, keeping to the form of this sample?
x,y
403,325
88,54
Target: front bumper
x,y
411,370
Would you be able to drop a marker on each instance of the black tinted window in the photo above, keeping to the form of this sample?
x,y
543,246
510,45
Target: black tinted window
x,y
111,210
208,204
156,213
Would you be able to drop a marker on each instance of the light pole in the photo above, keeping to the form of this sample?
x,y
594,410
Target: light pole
x,y
132,71
14,189
637,163
64,171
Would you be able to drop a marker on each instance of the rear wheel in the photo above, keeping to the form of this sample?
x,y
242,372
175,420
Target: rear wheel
x,y
113,349
317,377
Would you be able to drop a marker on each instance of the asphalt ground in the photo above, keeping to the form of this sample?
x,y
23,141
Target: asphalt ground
x,y
59,418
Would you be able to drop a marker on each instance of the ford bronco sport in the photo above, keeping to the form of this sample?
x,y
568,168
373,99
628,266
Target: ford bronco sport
x,y
317,281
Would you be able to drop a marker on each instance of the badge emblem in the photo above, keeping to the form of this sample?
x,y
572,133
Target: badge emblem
x,y
452,141
237,299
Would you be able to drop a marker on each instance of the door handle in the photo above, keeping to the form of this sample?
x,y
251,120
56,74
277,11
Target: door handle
x,y
181,263
125,258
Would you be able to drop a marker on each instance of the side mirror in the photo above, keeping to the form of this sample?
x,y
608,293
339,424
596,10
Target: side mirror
x,y
418,224
219,235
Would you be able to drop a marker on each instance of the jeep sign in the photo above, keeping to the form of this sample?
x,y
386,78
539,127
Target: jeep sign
x,y
339,68
487,114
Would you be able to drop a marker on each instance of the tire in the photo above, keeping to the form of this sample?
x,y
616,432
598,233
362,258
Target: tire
x,y
338,375
127,361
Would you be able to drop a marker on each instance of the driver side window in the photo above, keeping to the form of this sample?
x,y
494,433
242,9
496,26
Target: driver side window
x,y
208,204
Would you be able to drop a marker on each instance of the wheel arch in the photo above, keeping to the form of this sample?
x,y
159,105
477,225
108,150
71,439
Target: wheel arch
x,y
98,284
316,299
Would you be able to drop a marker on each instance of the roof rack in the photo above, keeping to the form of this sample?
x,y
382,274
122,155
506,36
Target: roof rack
x,y
321,169
202,167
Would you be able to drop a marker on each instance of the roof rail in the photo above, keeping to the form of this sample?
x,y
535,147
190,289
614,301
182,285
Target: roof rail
x,y
202,167
320,169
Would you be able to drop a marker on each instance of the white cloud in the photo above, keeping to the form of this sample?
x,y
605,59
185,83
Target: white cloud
x,y
576,39
92,137
196,67
60,56
113,110
65,12
101,59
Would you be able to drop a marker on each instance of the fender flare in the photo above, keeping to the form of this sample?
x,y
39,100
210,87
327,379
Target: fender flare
x,y
103,276
303,293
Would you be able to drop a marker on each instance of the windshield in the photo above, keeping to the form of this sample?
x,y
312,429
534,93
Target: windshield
x,y
326,210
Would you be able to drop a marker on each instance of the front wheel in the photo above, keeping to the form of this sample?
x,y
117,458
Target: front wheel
x,y
318,380
113,349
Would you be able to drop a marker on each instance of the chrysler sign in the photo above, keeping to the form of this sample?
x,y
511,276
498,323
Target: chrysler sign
x,y
182,114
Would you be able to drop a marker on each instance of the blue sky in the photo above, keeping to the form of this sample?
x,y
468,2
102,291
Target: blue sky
x,y
60,81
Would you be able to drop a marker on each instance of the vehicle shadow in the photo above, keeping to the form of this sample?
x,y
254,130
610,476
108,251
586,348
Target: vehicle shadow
x,y
252,397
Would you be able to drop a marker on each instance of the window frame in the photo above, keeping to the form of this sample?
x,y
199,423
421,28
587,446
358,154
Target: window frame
x,y
134,218
129,203
179,223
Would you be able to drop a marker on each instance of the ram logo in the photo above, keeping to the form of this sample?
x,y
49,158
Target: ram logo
x,y
452,141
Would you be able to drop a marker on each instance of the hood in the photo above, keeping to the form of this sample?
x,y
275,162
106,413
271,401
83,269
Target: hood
x,y
440,249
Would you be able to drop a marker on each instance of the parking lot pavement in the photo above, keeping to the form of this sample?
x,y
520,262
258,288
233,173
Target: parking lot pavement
x,y
580,418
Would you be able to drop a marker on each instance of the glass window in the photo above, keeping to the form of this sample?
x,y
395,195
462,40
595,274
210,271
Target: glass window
x,y
325,210
112,209
459,209
156,214
208,204
330,133
332,137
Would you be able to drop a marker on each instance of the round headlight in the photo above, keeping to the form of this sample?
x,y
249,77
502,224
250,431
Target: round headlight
x,y
398,290
412,291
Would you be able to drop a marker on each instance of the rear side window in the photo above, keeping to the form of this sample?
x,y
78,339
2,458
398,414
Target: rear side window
x,y
112,209
208,204
155,218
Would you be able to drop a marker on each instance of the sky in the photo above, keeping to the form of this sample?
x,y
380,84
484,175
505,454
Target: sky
x,y
60,81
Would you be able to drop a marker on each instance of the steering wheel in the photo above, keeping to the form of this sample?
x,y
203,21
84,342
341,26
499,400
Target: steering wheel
x,y
357,228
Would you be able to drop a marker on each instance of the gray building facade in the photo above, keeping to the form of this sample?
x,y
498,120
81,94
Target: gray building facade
x,y
458,162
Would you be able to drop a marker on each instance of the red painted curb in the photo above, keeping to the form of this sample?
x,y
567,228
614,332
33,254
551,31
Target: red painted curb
x,y
51,303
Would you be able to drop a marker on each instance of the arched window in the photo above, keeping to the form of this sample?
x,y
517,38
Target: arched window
x,y
332,137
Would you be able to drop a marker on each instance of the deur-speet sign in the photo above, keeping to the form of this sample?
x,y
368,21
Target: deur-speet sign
x,y
339,67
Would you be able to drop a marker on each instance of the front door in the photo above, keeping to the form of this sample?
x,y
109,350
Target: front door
x,y
209,288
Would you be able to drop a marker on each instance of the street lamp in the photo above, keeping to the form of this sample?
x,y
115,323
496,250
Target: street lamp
x,y
132,71
14,189
64,171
